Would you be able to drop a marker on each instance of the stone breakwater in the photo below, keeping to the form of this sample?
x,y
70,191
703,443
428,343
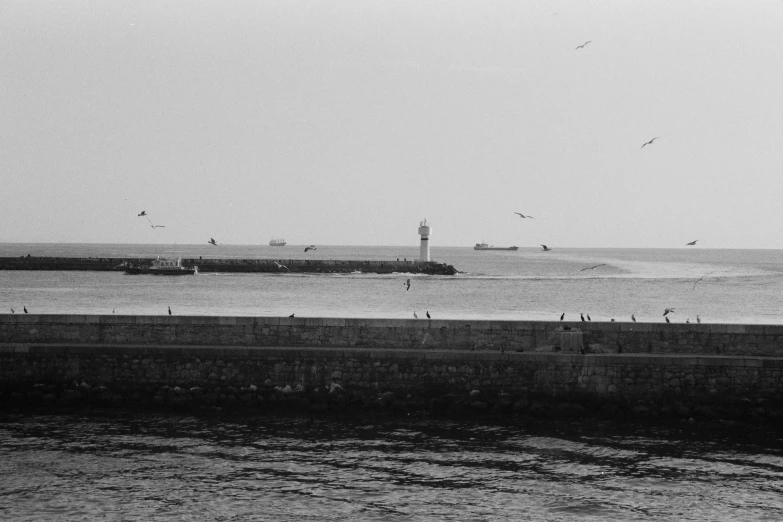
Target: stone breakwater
x,y
430,382
219,265
405,334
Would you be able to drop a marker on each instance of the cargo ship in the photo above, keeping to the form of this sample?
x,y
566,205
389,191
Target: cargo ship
x,y
484,246
277,242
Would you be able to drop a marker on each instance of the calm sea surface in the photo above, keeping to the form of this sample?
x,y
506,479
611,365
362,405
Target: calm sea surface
x,y
740,286
155,467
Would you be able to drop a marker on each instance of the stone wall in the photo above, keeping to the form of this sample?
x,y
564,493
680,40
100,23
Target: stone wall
x,y
474,335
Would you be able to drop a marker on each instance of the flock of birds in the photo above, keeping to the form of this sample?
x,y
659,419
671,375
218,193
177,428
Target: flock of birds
x,y
666,312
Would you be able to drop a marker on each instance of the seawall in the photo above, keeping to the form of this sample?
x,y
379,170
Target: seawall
x,y
229,265
324,363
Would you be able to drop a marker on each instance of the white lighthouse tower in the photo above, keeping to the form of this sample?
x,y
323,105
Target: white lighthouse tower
x,y
424,249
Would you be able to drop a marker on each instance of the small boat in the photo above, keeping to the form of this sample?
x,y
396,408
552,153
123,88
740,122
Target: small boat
x,y
161,267
484,246
277,242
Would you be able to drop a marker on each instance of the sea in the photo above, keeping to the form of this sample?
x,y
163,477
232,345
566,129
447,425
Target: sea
x,y
150,466
723,286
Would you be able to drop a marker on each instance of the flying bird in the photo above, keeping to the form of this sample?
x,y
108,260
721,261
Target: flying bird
x,y
649,142
692,243
212,241
592,267
523,216
281,267
633,318
143,213
668,311
409,284
546,248
428,315
583,45
311,247
699,279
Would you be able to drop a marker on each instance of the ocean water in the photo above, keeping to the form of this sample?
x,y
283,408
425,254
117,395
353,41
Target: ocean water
x,y
736,286
149,467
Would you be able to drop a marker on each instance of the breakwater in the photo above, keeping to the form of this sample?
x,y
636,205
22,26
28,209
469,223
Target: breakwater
x,y
230,265
394,364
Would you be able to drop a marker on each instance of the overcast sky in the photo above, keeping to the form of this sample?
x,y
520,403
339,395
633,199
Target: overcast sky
x,y
347,122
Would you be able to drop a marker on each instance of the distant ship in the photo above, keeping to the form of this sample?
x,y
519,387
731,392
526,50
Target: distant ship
x,y
162,267
484,246
277,242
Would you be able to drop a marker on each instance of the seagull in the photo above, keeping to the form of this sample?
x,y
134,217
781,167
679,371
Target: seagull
x,y
692,243
698,319
667,319
291,315
13,311
633,318
414,315
583,45
562,316
281,267
169,310
155,226
546,248
428,315
649,142
699,279
409,284
143,213
582,316
523,216
688,321
588,317
668,311
311,247
25,309
212,241
592,267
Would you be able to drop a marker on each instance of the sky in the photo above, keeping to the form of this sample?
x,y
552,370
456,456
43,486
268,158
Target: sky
x,y
348,122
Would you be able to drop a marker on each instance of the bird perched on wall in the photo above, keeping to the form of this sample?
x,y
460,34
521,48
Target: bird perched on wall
x,y
582,316
698,319
414,315
311,247
588,317
649,142
291,315
523,216
408,283
667,319
688,321
212,241
633,318
562,316
428,315
25,309
12,311
169,310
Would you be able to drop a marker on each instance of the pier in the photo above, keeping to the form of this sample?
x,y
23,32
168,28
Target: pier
x,y
229,265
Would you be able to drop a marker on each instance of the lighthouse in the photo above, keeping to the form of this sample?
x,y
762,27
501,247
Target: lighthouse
x,y
424,249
